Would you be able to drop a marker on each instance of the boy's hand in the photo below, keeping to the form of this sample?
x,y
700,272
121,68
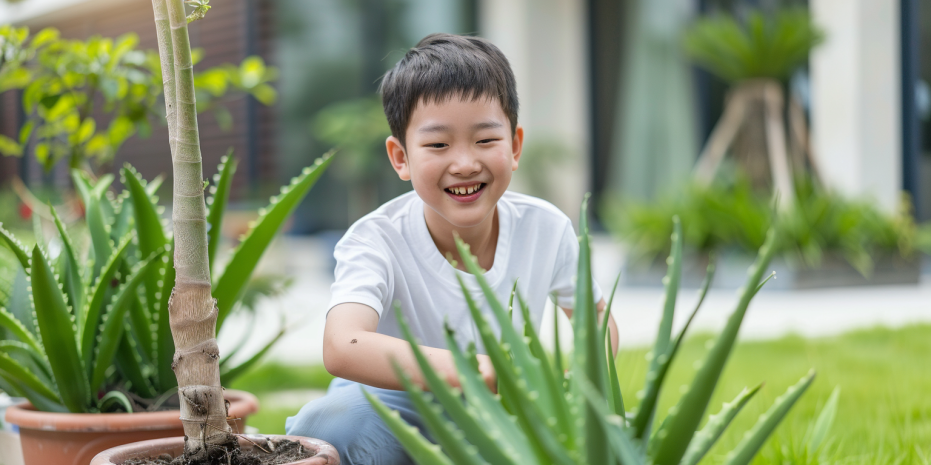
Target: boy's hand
x,y
487,370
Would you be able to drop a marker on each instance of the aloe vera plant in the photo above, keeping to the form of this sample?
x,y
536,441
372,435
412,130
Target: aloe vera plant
x,y
86,314
544,416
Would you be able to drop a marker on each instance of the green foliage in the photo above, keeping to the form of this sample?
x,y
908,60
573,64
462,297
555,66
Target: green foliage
x,y
731,214
66,83
765,46
95,323
359,129
544,416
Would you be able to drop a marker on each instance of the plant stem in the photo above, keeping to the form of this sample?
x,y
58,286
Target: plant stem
x,y
192,309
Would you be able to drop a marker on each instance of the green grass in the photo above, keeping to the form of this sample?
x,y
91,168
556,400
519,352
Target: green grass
x,y
884,414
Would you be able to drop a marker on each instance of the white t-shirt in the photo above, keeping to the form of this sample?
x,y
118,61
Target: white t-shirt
x,y
389,256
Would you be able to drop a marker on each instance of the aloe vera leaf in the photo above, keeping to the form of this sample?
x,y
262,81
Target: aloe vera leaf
x,y
24,371
617,398
227,376
613,387
19,304
604,320
671,282
557,349
165,345
715,427
232,282
34,361
115,398
123,212
11,323
647,409
151,234
112,326
141,324
619,438
511,302
446,434
103,183
688,413
529,414
152,186
74,283
130,365
39,399
486,424
754,439
531,369
216,203
824,421
95,305
58,335
590,360
419,448
553,378
82,184
99,232
16,246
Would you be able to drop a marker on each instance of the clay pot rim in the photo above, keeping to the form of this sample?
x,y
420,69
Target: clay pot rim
x,y
24,415
325,453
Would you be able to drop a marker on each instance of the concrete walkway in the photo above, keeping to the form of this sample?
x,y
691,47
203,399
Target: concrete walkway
x,y
810,313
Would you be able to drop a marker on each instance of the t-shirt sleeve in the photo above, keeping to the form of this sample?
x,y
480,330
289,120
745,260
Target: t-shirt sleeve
x,y
567,264
362,274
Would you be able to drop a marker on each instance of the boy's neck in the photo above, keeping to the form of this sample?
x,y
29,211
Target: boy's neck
x,y
482,238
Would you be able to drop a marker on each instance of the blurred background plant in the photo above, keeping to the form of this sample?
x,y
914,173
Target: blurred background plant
x,y
83,98
730,214
358,128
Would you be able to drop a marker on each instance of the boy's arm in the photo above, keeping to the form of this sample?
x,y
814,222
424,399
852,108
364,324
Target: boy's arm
x,y
353,350
612,327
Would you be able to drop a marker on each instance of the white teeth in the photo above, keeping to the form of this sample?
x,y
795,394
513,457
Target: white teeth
x,y
470,189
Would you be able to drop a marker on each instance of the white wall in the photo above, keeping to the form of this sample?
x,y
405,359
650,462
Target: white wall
x,y
856,98
545,42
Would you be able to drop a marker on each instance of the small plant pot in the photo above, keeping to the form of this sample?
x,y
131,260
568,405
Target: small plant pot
x,y
75,438
324,453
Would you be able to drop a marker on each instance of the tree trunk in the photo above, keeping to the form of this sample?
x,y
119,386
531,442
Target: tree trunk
x,y
192,309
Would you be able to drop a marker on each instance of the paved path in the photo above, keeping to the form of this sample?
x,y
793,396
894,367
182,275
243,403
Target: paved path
x,y
772,314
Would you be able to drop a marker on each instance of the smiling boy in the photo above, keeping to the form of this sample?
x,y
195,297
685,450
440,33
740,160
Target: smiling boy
x,y
451,103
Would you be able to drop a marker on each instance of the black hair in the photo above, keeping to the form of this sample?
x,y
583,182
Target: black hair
x,y
441,66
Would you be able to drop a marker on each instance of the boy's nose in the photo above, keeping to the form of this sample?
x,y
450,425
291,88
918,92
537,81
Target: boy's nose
x,y
464,164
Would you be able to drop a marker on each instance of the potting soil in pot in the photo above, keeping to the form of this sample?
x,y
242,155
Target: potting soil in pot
x,y
285,451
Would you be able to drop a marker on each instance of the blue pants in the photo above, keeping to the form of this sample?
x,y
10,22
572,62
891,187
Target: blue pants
x,y
345,419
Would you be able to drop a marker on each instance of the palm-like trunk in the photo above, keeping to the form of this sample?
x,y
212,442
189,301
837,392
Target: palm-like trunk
x,y
192,309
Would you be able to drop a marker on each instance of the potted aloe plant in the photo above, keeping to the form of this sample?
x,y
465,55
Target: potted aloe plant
x,y
546,413
88,335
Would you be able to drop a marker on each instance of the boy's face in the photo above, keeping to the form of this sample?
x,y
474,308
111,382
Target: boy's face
x,y
459,157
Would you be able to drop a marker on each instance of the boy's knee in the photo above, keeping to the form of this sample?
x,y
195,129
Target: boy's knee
x,y
347,421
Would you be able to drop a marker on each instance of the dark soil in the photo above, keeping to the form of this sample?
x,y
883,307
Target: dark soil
x,y
279,452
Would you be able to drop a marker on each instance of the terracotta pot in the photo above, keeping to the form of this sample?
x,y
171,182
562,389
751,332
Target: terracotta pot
x,y
75,438
324,453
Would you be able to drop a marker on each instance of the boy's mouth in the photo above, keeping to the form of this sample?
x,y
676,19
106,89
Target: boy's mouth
x,y
465,193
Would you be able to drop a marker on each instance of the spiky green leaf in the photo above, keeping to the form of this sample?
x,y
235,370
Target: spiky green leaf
x,y
419,448
216,203
58,335
715,427
232,282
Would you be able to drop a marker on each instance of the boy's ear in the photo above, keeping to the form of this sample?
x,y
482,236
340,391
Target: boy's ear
x,y
517,145
398,157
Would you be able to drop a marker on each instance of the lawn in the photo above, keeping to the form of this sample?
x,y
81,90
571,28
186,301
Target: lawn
x,y
884,414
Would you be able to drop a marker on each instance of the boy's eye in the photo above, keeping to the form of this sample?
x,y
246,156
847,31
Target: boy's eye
x,y
486,141
437,145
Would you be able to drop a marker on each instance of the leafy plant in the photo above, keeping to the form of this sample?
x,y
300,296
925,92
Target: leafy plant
x,y
82,315
68,84
766,46
544,416
731,214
